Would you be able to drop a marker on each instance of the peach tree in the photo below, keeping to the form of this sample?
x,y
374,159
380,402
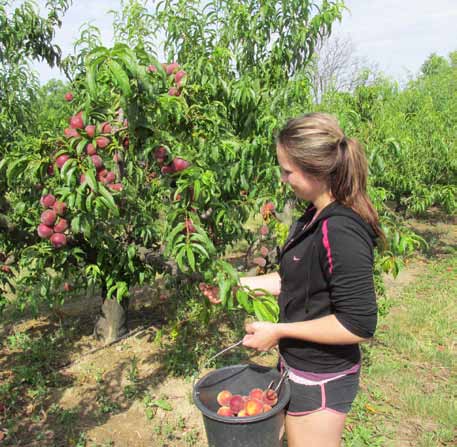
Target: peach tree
x,y
159,165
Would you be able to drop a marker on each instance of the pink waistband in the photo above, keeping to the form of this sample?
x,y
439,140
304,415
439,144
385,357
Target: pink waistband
x,y
320,376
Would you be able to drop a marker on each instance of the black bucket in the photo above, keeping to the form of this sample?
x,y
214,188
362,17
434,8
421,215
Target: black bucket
x,y
263,430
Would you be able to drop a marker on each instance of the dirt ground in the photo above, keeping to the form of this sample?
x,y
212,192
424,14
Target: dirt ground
x,y
121,395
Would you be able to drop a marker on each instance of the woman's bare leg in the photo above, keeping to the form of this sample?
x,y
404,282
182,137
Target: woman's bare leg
x,y
320,429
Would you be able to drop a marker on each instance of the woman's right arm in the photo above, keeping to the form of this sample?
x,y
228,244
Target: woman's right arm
x,y
271,282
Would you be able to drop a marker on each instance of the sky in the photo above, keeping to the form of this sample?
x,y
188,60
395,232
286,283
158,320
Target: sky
x,y
395,35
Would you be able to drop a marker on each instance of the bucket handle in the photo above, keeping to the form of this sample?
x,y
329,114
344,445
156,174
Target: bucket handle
x,y
215,356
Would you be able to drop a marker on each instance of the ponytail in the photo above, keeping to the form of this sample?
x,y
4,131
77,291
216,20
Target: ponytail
x,y
316,143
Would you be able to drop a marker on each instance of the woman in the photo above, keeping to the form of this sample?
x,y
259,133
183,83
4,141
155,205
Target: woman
x,y
325,282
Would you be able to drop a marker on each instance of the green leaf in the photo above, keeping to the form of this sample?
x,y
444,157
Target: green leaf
x,y
190,257
120,76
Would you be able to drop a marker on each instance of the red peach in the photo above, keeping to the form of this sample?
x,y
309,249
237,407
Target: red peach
x,y
71,133
102,142
5,268
225,411
97,161
61,160
61,226
58,240
47,201
223,398
236,403
167,169
50,170
264,230
115,186
90,149
48,217
253,407
90,130
256,393
270,397
179,75
242,413
68,96
44,231
76,121
106,127
264,251
110,177
60,208
172,68
266,408
189,226
102,174
160,152
67,287
174,91
180,164
151,69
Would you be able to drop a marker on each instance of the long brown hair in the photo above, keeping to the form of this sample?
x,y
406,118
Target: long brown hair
x,y
316,143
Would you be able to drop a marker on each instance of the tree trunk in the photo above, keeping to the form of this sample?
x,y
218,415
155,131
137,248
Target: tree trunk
x,y
112,322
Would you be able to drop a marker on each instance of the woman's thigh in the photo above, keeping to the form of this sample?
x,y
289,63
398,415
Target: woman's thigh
x,y
319,429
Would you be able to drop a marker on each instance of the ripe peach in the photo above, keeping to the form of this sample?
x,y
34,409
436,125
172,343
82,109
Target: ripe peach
x,y
71,133
47,201
58,240
59,208
167,169
179,76
189,226
266,408
174,91
76,121
102,142
270,397
253,407
264,251
264,230
61,226
256,393
61,160
242,413
172,68
115,186
82,179
48,217
151,69
179,164
97,161
68,96
110,177
236,403
90,149
106,127
44,231
90,130
160,152
50,170
223,398
225,411
5,268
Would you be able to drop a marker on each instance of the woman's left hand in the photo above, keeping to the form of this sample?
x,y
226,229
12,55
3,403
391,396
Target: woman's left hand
x,y
261,335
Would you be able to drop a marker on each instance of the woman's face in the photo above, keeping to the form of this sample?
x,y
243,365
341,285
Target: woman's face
x,y
305,186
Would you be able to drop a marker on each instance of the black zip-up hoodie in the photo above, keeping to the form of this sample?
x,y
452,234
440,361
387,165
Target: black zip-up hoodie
x,y
327,268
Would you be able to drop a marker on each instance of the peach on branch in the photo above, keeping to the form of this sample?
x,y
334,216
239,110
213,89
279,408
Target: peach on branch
x,y
97,161
90,149
151,69
106,127
264,230
115,186
5,269
90,130
102,142
68,96
71,133
110,177
223,398
47,201
179,164
48,217
189,226
267,209
58,240
59,208
179,76
44,231
264,251
225,411
76,121
261,262
61,226
50,170
172,68
160,153
174,91
61,160
167,169
126,143
236,403
67,287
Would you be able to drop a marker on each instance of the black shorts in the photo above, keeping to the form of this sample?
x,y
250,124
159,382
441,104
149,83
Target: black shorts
x,y
336,395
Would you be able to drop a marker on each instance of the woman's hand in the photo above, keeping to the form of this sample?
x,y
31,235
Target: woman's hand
x,y
261,335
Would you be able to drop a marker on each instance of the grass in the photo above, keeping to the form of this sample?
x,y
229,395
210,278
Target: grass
x,y
409,391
